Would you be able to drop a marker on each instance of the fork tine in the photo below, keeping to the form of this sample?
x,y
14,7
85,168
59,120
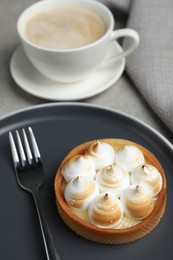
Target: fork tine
x,y
36,152
21,150
13,150
27,148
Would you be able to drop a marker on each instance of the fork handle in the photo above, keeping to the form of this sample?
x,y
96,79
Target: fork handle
x,y
50,248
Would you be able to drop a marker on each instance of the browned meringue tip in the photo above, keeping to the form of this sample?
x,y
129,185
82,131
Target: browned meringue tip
x,y
106,196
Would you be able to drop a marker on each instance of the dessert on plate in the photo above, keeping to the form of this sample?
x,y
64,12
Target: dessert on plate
x,y
111,191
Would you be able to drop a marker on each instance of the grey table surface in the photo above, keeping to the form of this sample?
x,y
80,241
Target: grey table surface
x,y
122,96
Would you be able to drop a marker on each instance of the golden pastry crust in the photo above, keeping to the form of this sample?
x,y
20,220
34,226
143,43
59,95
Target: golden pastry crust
x,y
108,235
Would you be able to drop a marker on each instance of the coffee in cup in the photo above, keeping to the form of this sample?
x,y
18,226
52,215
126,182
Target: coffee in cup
x,y
59,52
64,28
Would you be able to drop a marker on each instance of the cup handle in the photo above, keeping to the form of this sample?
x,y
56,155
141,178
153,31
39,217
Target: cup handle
x,y
125,33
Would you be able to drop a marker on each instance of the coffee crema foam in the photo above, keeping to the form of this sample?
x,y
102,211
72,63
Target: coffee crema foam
x,y
64,28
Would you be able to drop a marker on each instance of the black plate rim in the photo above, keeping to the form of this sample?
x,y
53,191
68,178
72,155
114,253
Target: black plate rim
x,y
89,105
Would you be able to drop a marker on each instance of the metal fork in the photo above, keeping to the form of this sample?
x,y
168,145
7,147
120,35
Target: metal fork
x,y
30,176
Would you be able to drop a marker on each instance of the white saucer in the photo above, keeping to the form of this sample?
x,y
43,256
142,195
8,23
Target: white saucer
x,y
33,82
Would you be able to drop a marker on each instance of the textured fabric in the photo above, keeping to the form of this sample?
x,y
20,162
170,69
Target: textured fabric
x,y
151,66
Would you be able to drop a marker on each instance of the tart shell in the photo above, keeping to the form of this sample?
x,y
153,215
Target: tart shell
x,y
108,235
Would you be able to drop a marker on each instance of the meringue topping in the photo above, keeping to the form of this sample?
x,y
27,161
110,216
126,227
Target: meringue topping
x,y
129,157
79,191
79,165
105,211
101,153
149,177
113,179
111,187
137,202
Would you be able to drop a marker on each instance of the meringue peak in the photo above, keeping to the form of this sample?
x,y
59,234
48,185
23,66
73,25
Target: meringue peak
x,y
137,197
147,169
105,211
95,146
79,191
112,179
138,188
78,165
106,197
101,154
149,177
129,157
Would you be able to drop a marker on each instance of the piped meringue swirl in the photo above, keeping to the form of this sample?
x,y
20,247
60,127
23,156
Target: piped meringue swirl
x,y
129,157
105,211
79,165
112,178
137,202
80,191
149,177
101,153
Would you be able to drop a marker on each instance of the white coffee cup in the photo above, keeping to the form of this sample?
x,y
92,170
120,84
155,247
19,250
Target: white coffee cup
x,y
73,64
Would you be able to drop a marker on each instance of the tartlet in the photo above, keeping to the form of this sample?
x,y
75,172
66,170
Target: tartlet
x,y
108,235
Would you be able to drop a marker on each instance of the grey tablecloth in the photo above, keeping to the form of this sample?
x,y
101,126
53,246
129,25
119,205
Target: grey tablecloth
x,y
151,66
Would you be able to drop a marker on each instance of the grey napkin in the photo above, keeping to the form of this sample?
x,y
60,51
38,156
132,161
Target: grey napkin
x,y
150,67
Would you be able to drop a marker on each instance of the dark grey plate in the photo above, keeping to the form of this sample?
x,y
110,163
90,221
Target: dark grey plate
x,y
58,128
